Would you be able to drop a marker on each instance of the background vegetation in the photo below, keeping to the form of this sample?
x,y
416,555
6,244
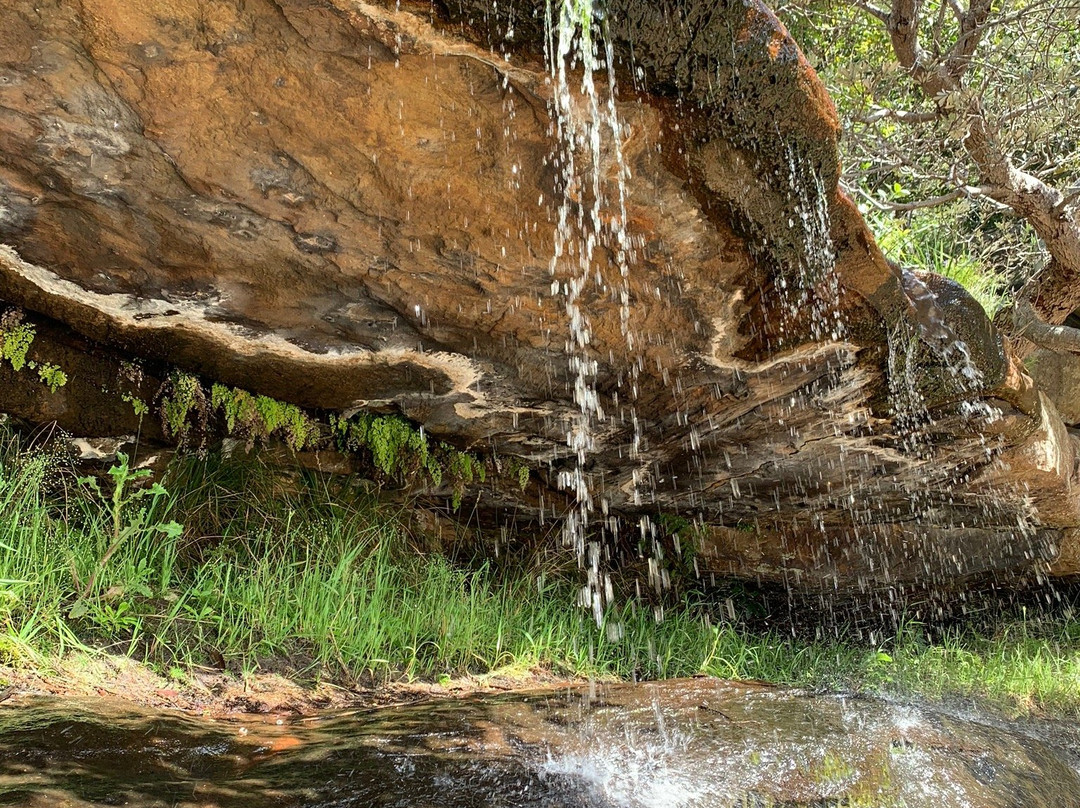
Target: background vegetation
x,y
1005,72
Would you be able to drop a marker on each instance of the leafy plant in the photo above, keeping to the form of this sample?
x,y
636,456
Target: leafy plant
x,y
131,510
16,337
926,241
139,406
15,340
258,417
183,406
51,375
398,449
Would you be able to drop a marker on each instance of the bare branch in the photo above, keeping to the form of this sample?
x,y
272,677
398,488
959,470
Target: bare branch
x,y
902,115
903,27
972,27
1043,206
1027,324
1031,106
872,10
1020,14
964,192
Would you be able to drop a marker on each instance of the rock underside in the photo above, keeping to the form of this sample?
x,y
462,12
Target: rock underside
x,y
346,205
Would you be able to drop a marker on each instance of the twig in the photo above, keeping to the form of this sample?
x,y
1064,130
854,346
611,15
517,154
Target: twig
x,y
872,10
902,115
966,191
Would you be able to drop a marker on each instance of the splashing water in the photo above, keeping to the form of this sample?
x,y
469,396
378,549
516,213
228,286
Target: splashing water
x,y
915,424
640,767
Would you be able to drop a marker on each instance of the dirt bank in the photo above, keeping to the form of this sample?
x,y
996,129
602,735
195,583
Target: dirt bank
x,y
218,694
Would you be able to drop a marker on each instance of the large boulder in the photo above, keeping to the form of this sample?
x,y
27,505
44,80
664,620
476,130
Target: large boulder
x,y
353,205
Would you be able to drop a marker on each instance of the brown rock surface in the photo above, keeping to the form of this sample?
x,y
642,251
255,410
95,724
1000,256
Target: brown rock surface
x,y
344,205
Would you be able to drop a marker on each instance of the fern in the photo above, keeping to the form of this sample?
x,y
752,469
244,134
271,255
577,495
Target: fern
x,y
15,341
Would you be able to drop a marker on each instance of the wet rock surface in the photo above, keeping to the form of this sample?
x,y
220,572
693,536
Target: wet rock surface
x,y
345,205
676,744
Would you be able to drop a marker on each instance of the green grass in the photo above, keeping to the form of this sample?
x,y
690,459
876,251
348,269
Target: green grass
x,y
271,571
928,242
1021,667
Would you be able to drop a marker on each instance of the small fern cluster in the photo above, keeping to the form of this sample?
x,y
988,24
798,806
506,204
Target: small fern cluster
x,y
184,408
50,375
15,340
16,337
400,451
255,417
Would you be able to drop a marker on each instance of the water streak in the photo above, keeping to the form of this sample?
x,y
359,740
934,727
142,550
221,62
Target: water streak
x,y
585,119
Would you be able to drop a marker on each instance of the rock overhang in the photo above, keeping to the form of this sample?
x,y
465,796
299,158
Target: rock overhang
x,y
343,204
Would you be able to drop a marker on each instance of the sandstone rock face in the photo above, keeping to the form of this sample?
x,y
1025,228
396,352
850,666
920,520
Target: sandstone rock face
x,y
1059,377
349,205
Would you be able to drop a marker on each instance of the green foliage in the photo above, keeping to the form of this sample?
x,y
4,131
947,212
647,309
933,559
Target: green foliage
x,y
51,375
259,417
832,769
401,451
519,472
183,406
139,406
132,510
16,337
398,449
671,523
307,575
574,17
15,340
463,469
928,242
904,152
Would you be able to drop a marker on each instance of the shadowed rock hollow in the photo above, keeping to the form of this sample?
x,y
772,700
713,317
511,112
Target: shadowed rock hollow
x,y
348,205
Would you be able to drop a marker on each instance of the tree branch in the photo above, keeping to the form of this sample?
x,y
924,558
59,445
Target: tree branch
x,y
972,26
1027,108
1019,14
902,115
963,192
1056,292
872,10
1026,324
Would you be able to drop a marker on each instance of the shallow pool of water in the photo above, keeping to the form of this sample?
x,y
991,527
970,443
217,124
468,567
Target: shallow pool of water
x,y
685,743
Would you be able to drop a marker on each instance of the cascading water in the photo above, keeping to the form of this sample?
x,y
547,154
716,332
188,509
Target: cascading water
x,y
915,424
810,287
591,243
587,218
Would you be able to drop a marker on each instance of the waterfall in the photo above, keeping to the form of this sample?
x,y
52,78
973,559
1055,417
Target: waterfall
x,y
588,217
